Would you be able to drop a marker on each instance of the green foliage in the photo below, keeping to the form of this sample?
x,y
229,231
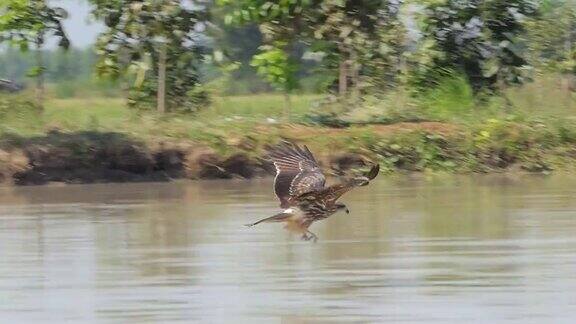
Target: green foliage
x,y
418,151
480,39
280,13
393,107
274,64
26,22
355,37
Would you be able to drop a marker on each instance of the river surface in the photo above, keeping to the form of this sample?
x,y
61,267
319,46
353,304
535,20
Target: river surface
x,y
415,249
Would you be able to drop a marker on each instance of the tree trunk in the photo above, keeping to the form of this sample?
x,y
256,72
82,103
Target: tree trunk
x,y
40,71
508,104
568,86
162,80
343,76
571,82
123,80
287,107
401,71
355,76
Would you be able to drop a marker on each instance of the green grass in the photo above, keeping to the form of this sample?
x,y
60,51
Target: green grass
x,y
259,106
545,97
227,117
78,113
453,97
451,101
228,121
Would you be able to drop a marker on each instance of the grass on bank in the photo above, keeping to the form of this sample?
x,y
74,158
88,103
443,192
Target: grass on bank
x,y
111,114
450,101
537,134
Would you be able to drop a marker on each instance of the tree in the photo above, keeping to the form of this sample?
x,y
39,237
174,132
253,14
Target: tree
x,y
349,33
282,24
364,38
162,35
234,45
480,39
27,23
275,64
551,37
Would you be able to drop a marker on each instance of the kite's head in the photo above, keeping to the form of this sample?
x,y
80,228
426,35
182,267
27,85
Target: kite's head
x,y
360,181
341,206
364,180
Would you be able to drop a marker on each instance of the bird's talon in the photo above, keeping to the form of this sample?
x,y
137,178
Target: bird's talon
x,y
310,237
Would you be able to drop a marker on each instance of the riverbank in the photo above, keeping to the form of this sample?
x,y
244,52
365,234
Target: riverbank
x,y
99,140
98,156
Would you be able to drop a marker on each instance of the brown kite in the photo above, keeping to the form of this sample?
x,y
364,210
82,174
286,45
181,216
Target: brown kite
x,y
299,185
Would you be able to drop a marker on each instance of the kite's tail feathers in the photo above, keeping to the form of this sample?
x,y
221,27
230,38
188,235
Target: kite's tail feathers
x,y
276,218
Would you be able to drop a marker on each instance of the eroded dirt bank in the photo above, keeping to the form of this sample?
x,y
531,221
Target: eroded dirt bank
x,y
95,157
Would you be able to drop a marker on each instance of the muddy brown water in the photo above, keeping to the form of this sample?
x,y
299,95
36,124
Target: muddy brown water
x,y
442,249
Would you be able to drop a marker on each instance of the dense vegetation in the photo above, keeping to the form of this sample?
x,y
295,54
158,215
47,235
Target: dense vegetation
x,y
430,84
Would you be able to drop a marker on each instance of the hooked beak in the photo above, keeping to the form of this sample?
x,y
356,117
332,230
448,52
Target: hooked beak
x,y
370,175
364,181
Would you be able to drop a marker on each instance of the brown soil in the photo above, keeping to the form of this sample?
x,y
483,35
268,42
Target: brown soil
x,y
95,157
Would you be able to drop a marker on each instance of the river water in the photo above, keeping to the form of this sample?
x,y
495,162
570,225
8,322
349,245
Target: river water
x,y
415,249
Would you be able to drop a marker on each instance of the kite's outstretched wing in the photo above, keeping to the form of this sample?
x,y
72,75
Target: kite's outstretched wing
x,y
297,172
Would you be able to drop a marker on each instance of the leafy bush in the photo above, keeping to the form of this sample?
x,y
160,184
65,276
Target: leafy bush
x,y
418,151
393,107
17,111
17,107
453,96
328,119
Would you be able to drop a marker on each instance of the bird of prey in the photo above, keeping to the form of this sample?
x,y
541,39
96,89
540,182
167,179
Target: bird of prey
x,y
300,186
